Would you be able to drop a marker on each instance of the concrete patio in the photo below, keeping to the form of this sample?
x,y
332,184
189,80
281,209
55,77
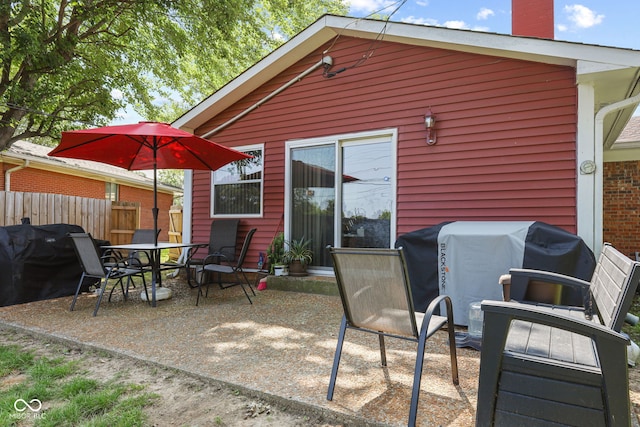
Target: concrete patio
x,y
280,348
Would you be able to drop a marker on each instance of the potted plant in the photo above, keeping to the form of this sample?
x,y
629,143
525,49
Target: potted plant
x,y
298,256
275,255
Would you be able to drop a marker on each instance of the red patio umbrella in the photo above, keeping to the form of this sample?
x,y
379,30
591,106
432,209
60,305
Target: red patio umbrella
x,y
145,145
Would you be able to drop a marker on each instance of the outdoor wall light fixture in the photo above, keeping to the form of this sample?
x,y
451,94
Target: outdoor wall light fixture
x,y
430,124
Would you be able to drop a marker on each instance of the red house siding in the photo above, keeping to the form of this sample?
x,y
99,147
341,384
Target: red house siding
x,y
506,133
44,181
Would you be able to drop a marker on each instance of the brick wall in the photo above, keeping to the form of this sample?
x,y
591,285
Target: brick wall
x,y
621,205
145,197
44,181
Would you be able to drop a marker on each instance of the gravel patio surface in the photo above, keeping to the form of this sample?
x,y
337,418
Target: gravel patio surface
x,y
280,348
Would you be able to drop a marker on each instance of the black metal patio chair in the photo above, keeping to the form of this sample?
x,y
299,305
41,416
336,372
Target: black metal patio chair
x,y
223,237
219,263
95,267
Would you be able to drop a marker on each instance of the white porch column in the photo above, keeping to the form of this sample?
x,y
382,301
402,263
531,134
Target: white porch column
x,y
588,192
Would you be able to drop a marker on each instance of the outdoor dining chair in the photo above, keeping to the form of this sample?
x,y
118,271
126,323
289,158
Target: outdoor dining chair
x,y
219,263
142,258
376,298
95,267
135,258
223,236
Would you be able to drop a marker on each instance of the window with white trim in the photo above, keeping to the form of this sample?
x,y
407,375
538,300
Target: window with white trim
x,y
237,187
112,191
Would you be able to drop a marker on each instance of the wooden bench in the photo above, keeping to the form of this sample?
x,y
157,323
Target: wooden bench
x,y
544,364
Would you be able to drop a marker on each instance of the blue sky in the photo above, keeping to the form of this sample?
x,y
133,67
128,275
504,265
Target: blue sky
x,y
607,23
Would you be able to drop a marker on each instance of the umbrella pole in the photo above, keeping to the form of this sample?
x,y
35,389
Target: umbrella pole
x,y
155,204
156,253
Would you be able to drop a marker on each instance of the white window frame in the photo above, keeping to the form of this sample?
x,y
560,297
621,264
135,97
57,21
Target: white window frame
x,y
339,141
113,192
243,148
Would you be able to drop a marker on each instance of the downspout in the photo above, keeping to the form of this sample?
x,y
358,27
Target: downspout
x,y
327,62
7,174
599,161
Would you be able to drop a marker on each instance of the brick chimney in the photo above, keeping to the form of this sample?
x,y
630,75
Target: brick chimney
x,y
532,18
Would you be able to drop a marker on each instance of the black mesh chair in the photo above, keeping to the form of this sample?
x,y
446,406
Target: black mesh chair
x,y
376,298
135,258
223,237
142,258
95,267
219,263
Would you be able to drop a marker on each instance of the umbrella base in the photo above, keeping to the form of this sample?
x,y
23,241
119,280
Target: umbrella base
x,y
161,294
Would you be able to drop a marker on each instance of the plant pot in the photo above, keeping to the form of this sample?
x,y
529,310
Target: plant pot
x,y
296,268
279,270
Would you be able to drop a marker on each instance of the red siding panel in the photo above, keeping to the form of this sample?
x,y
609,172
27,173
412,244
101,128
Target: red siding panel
x,y
506,132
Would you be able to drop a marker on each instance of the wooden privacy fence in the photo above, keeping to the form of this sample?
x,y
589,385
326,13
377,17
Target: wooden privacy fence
x,y
175,230
104,219
125,218
93,215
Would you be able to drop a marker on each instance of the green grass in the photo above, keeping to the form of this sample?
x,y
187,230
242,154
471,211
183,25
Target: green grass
x,y
69,397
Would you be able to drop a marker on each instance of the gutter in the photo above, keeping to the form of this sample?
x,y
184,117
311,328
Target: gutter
x,y
7,174
598,216
326,62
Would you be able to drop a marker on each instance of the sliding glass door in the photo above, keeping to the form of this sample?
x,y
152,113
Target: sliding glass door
x,y
341,192
313,197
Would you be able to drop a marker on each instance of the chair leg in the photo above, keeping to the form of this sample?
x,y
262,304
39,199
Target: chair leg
x,y
146,292
75,297
188,267
202,278
248,282
452,353
383,352
103,288
242,286
336,358
417,376
121,288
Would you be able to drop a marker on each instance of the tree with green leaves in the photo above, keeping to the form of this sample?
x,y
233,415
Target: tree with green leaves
x,y
71,64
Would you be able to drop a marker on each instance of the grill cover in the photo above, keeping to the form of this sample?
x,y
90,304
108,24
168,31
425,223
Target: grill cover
x,y
37,263
464,260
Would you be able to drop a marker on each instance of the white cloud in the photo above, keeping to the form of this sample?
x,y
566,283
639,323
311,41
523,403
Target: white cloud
x,y
369,5
459,25
421,21
582,17
455,24
484,14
